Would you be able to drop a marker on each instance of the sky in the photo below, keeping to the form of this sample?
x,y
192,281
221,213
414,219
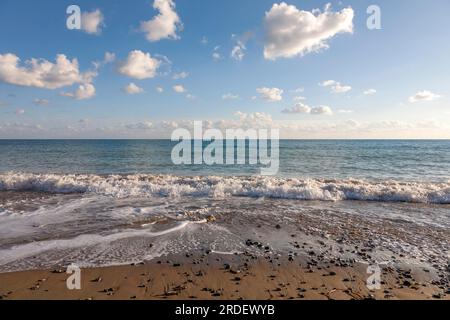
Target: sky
x,y
140,69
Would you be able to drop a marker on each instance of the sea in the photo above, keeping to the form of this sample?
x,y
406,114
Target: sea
x,y
112,202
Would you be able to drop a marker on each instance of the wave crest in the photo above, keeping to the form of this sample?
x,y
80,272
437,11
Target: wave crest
x,y
121,186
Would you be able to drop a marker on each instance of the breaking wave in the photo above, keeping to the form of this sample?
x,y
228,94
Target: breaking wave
x,y
147,185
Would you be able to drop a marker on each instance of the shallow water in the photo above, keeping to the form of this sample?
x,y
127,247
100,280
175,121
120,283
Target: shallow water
x,y
116,202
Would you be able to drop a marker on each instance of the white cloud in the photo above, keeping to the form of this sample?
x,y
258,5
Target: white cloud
x,y
238,51
159,89
140,125
179,88
191,96
165,25
133,89
298,108
83,92
305,109
41,73
322,110
291,32
299,90
181,75
370,92
335,86
92,22
424,95
139,65
230,96
271,94
204,40
41,102
299,98
344,111
109,57
20,112
216,56
248,120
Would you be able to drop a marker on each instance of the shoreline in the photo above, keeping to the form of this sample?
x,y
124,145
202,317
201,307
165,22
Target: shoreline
x,y
207,276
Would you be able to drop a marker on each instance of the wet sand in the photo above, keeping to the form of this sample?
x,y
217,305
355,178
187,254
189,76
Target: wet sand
x,y
234,248
213,276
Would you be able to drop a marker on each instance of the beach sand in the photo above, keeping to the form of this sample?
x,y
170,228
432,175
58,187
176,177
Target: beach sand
x,y
213,276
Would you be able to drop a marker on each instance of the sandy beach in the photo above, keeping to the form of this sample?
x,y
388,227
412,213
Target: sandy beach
x,y
231,248
212,276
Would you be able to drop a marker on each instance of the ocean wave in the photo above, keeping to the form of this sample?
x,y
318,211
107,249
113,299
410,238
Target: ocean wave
x,y
144,185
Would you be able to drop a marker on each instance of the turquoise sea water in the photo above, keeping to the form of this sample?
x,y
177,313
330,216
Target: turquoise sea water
x,y
331,159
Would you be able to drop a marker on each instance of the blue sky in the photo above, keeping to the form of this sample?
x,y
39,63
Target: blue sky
x,y
406,62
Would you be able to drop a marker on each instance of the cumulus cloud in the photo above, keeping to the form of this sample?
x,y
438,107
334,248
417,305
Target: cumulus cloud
x,y
298,108
159,89
140,125
299,98
271,94
301,108
370,92
40,73
248,120
164,25
216,56
139,65
292,32
41,102
132,88
179,88
335,86
326,110
83,92
238,52
92,22
230,96
181,75
424,95
109,57
191,96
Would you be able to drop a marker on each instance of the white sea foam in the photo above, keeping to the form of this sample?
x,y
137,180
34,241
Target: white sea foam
x,y
84,240
146,185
